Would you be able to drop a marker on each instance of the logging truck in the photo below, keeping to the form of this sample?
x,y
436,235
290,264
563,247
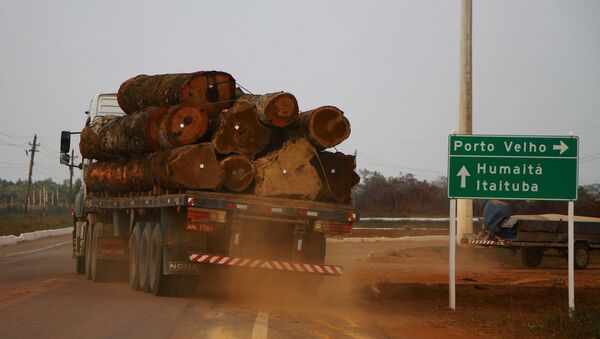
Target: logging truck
x,y
169,236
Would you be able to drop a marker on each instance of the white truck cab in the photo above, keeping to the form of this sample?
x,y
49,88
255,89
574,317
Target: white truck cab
x,y
104,104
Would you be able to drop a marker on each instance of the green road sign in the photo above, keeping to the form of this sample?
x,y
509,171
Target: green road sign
x,y
512,167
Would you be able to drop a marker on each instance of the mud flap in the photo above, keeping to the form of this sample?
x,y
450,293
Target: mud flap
x,y
113,248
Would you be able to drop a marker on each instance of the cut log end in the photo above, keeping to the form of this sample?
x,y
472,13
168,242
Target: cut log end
x,y
194,167
288,172
185,125
281,110
213,91
327,126
239,173
338,176
240,131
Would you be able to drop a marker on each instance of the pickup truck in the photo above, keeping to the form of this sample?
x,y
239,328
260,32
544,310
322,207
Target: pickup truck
x,y
166,237
536,235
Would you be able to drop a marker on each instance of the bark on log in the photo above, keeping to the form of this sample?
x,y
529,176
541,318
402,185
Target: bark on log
x,y
188,167
337,176
288,172
278,109
238,130
149,130
325,126
212,90
239,173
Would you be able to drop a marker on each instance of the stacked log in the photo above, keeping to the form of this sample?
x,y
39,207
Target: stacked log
x,y
337,172
325,126
197,131
274,109
239,173
213,91
288,172
238,130
148,130
188,167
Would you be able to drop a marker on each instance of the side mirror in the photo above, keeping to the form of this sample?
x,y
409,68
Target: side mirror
x,y
65,159
65,141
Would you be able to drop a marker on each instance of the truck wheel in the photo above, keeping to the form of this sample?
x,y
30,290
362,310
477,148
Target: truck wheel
x,y
582,256
145,243
134,241
98,267
532,256
156,278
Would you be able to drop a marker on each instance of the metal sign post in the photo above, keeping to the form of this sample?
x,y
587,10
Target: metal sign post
x,y
452,254
571,257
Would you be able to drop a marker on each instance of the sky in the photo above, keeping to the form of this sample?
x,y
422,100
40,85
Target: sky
x,y
391,66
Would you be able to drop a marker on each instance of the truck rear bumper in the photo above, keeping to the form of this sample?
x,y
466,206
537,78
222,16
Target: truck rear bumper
x,y
494,243
266,264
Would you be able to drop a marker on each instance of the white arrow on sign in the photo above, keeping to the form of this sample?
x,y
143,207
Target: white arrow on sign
x,y
463,174
562,147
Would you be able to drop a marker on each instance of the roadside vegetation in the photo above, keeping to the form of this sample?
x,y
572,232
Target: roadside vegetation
x,y
22,224
407,196
48,206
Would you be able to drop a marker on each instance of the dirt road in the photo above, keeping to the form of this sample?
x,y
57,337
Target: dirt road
x,y
392,289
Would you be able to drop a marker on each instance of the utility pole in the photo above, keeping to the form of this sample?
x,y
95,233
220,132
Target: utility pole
x,y
70,197
33,149
465,117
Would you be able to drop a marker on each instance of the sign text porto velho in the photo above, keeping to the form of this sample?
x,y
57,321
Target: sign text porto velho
x,y
513,167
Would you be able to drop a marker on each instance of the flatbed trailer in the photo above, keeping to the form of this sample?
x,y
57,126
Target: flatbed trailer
x,y
180,234
534,235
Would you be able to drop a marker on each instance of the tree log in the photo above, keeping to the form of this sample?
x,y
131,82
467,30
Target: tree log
x,y
189,167
153,128
325,126
239,173
274,109
185,124
238,130
288,172
213,91
337,176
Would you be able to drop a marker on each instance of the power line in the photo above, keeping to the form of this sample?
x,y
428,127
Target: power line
x,y
398,167
15,136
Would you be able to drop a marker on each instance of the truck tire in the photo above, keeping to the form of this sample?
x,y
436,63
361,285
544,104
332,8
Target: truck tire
x,y
582,256
156,279
98,267
134,241
79,259
532,256
80,264
145,243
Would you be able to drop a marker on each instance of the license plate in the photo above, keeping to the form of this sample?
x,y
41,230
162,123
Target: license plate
x,y
199,227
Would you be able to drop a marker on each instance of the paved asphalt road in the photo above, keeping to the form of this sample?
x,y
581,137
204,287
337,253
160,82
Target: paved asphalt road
x,y
41,296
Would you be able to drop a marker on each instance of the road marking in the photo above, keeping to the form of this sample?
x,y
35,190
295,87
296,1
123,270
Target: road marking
x,y
37,250
261,326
